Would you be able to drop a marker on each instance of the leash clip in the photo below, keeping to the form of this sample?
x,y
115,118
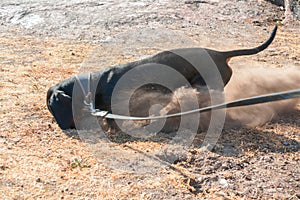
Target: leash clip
x,y
88,101
99,113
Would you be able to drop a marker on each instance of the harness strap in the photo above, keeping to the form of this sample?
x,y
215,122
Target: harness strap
x,y
88,96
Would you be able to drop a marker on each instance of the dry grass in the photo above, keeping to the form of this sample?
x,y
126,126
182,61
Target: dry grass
x,y
38,160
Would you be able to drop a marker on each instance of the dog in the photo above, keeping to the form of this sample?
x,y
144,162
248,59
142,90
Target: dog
x,y
61,97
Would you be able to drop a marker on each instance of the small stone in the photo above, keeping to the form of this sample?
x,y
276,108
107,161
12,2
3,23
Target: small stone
x,y
16,140
199,179
223,182
248,177
107,39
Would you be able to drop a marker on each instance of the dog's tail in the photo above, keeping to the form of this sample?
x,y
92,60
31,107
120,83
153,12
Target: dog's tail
x,y
255,50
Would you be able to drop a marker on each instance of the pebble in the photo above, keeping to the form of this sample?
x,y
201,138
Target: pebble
x,y
199,179
107,39
223,182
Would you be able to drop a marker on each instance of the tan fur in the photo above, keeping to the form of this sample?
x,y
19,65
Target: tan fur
x,y
184,100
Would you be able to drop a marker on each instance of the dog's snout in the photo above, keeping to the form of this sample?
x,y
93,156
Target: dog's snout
x,y
49,94
60,106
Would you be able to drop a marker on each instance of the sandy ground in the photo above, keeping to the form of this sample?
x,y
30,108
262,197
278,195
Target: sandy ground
x,y
43,42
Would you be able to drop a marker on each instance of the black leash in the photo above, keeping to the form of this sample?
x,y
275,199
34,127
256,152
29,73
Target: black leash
x,y
237,103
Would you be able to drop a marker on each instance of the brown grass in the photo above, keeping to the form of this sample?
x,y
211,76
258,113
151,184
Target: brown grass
x,y
37,158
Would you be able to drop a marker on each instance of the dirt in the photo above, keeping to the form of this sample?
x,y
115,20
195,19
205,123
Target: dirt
x,y
43,42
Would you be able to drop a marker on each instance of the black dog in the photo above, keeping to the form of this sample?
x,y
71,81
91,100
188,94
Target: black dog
x,y
60,98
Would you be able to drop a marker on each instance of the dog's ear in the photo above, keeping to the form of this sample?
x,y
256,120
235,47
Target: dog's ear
x,y
58,98
64,98
60,105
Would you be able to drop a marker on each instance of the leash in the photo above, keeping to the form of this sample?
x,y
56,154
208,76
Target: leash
x,y
237,103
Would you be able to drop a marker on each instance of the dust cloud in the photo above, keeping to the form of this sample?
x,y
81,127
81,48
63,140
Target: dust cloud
x,y
258,81
244,83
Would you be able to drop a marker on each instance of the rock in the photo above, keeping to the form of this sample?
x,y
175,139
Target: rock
x,y
223,182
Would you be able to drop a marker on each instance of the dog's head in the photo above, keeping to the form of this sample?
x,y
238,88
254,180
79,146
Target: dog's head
x,y
59,103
